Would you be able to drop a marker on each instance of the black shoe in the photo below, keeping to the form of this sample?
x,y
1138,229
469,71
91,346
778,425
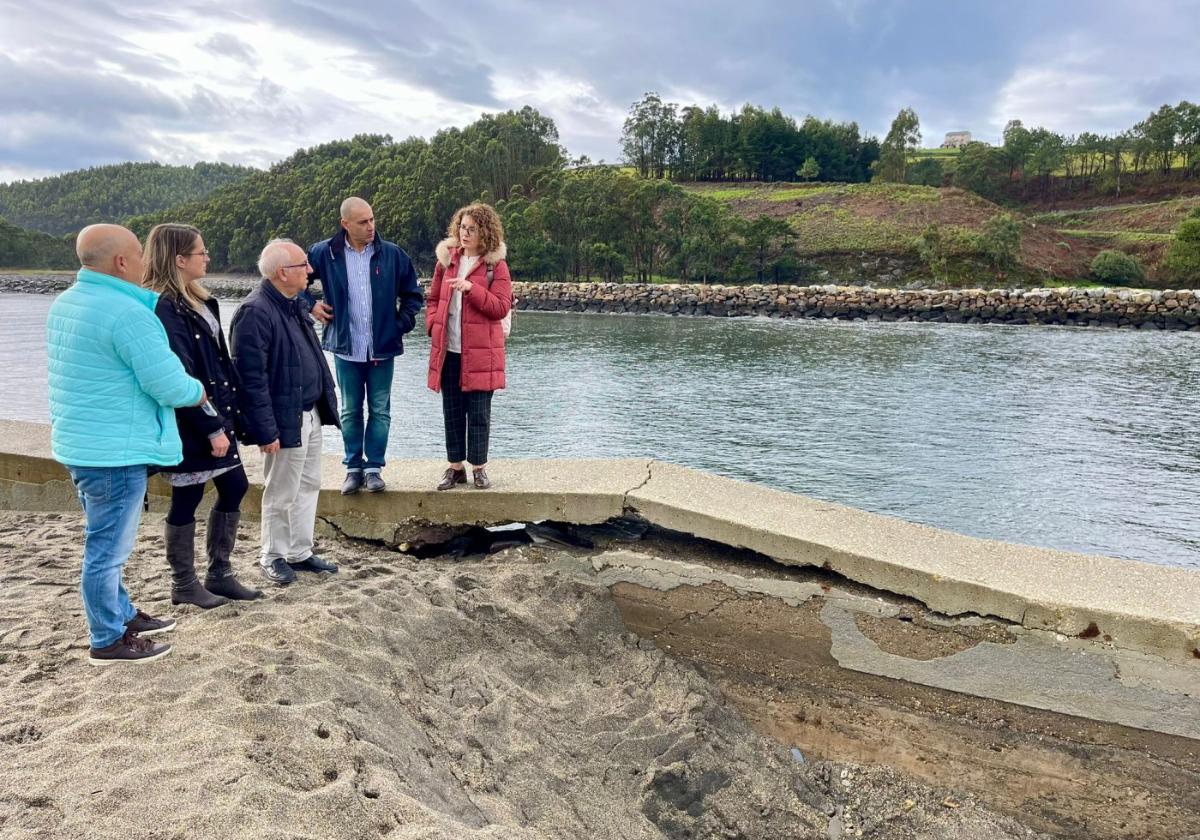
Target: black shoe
x,y
279,571
129,648
354,481
148,625
375,482
314,564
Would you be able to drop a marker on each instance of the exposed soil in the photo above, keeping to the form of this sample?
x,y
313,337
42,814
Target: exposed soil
x,y
498,697
1157,189
1066,776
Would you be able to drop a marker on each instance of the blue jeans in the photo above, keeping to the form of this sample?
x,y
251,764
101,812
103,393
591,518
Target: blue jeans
x,y
374,381
112,505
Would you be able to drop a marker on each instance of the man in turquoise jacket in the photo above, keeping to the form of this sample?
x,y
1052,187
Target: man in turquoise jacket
x,y
114,387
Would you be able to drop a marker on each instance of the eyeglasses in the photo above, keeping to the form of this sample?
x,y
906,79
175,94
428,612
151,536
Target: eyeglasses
x,y
203,253
297,265
469,231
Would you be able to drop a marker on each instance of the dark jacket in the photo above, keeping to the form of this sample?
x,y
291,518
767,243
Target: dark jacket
x,y
206,357
268,334
395,295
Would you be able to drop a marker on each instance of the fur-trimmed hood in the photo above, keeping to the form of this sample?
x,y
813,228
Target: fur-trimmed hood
x,y
443,252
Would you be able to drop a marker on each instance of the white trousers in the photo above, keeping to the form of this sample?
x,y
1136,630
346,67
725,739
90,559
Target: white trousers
x,y
291,484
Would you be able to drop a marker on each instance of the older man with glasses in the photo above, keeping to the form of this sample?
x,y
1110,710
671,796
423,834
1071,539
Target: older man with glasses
x,y
289,396
371,301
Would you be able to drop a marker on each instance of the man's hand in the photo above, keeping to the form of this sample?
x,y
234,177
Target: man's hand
x,y
271,448
322,311
220,445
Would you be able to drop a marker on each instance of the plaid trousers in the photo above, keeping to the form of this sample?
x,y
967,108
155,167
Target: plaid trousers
x,y
468,415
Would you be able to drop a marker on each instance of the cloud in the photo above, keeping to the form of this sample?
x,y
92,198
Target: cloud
x,y
403,43
230,46
1074,82
202,79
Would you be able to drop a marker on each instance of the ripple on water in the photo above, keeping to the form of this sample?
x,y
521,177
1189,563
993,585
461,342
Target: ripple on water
x,y
1068,438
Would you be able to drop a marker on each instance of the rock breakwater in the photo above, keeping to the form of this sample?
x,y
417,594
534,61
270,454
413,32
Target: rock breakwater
x,y
1168,309
1100,307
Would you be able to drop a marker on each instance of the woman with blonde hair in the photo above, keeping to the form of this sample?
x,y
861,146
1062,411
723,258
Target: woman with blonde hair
x,y
174,262
470,295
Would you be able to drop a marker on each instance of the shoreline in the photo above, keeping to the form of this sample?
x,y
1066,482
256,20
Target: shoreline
x,y
1103,308
834,671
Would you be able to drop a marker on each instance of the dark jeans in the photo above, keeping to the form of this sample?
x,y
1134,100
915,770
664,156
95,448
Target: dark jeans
x,y
231,487
372,380
468,415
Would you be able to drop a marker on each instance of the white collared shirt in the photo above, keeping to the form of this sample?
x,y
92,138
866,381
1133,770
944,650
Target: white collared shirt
x,y
358,287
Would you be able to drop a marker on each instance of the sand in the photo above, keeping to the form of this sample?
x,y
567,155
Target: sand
x,y
496,697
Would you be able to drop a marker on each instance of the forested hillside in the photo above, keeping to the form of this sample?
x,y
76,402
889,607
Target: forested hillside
x,y
31,249
414,187
64,203
1037,165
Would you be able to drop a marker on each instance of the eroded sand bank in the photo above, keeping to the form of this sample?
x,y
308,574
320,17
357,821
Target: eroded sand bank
x,y
497,697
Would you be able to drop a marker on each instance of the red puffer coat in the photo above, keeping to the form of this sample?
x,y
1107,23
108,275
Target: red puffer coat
x,y
482,311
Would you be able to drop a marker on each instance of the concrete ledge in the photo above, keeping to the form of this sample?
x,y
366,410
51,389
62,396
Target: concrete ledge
x,y
1133,605
1125,604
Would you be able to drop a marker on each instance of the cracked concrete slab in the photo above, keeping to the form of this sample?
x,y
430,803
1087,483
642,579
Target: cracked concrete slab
x,y
1032,672
1125,604
1032,668
1132,605
625,566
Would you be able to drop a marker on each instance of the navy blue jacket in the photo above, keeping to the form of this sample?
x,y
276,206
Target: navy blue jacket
x,y
268,334
205,357
396,297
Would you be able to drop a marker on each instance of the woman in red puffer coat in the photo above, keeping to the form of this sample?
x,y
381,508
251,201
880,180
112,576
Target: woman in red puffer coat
x,y
463,316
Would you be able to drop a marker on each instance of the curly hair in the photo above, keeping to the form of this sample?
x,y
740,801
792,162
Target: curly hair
x,y
491,231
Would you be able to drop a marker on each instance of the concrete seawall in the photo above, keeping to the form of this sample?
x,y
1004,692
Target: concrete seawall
x,y
1119,604
1114,308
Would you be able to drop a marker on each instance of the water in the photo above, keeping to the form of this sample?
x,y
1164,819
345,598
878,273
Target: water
x,y
1077,439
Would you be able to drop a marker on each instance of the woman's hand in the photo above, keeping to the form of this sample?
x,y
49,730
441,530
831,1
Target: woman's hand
x,y
220,445
460,284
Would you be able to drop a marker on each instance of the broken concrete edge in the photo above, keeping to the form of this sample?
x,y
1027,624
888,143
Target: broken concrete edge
x,y
1123,603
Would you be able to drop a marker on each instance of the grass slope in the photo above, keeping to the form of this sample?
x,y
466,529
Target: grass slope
x,y
833,220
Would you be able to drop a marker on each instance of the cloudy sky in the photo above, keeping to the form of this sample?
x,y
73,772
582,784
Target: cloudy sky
x,y
87,82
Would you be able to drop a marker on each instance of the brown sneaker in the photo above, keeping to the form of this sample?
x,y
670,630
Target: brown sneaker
x,y
147,625
451,477
129,648
482,482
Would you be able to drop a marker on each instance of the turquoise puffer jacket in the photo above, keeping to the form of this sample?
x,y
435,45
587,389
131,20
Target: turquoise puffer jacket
x,y
114,382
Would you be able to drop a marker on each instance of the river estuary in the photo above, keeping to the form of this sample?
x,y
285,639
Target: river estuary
x,y
1076,439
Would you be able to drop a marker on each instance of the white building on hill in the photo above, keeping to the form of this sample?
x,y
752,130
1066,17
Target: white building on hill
x,y
956,139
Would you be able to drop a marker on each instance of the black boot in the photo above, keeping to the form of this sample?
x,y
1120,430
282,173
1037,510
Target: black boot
x,y
181,555
222,534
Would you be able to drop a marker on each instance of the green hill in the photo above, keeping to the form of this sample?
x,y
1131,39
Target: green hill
x,y
20,248
837,223
414,187
64,203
